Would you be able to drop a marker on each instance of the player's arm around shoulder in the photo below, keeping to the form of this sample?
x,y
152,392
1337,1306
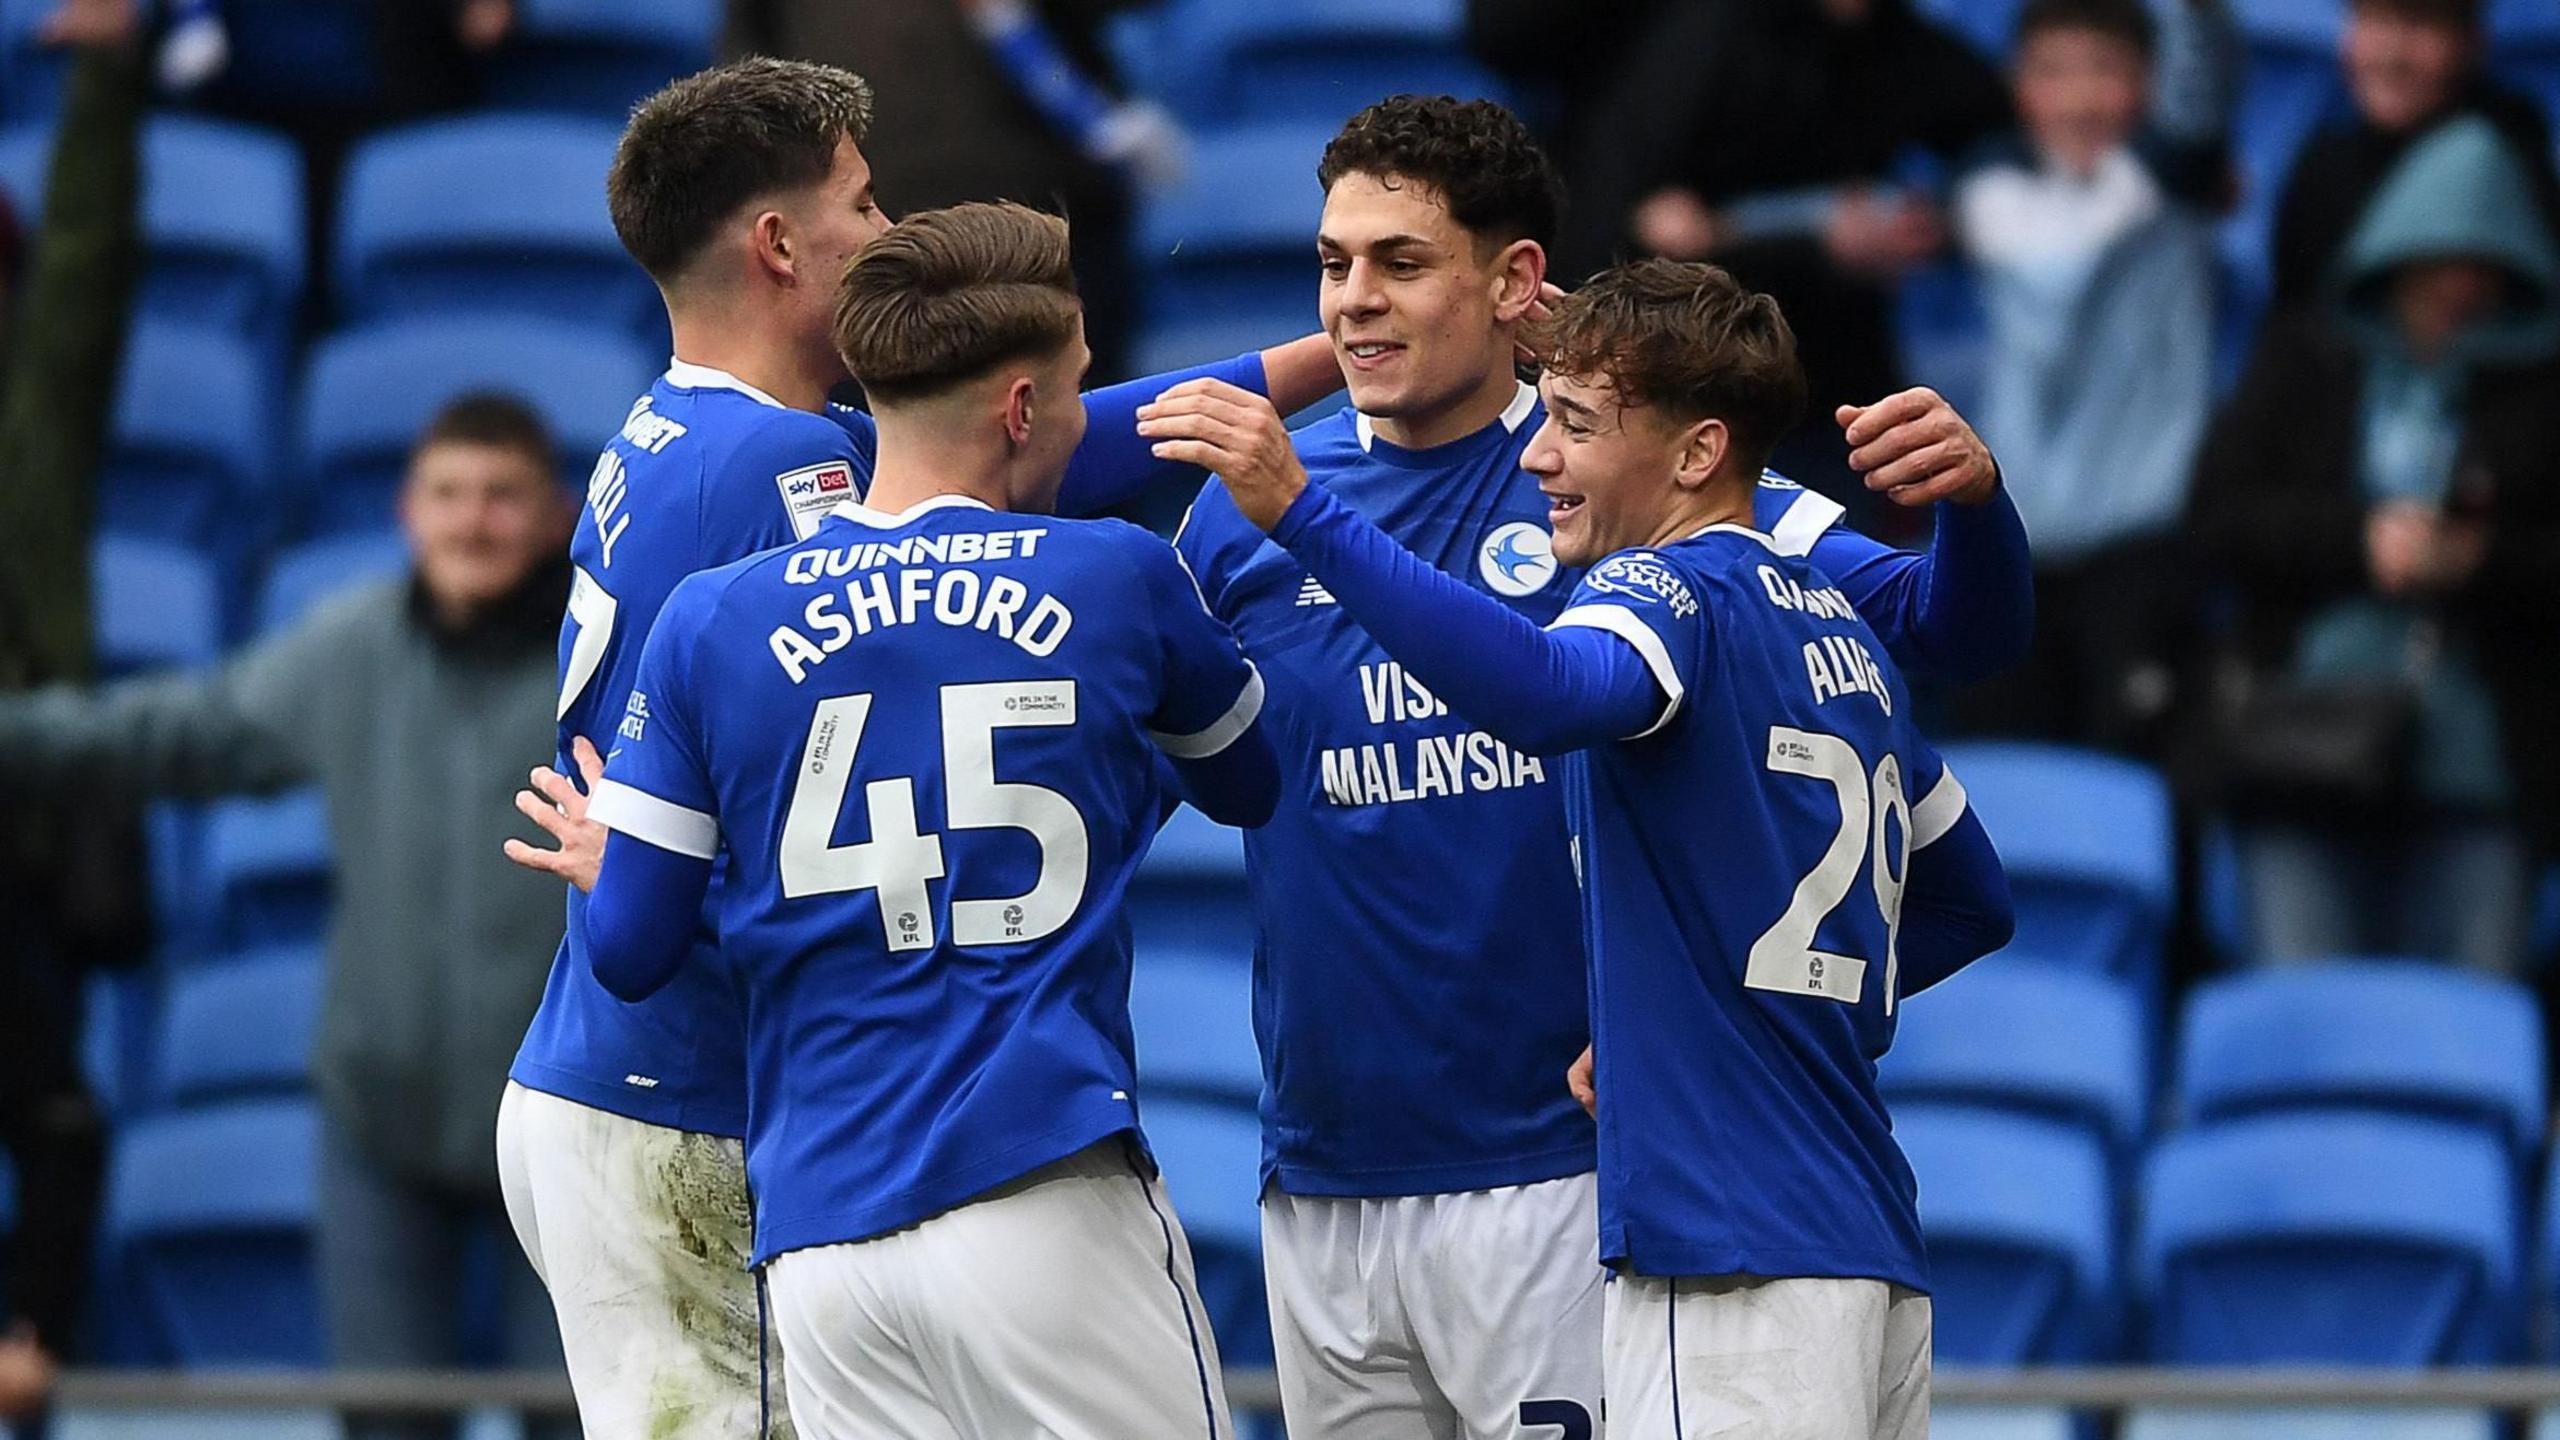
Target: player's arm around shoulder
x,y
1208,714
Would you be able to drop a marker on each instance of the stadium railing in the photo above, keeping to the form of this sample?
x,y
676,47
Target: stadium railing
x,y
2519,1393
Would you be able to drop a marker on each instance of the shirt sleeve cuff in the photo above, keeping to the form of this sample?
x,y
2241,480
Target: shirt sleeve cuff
x,y
1938,812
1221,732
1622,622
662,823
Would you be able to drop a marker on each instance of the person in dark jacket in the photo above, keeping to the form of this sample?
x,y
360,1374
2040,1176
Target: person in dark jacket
x,y
1686,161
417,704
2410,66
2379,494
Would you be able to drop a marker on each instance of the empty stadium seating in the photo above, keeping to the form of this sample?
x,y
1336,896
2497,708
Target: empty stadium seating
x,y
2021,1224
422,231
2406,1037
2339,1239
1230,253
601,57
2014,1034
153,604
1231,61
367,393
2089,850
266,868
241,1029
1192,1015
208,1222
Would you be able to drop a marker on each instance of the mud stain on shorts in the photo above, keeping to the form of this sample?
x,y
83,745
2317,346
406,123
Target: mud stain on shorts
x,y
698,1184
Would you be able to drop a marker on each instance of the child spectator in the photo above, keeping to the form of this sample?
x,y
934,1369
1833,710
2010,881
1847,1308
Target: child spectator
x,y
2091,231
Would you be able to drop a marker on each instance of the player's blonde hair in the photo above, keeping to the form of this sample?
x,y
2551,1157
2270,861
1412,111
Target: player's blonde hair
x,y
950,294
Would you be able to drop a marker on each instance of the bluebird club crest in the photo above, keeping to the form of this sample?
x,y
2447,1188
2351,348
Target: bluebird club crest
x,y
1517,559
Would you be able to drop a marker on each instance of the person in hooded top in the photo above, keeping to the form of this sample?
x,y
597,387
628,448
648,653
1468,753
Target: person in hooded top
x,y
2378,495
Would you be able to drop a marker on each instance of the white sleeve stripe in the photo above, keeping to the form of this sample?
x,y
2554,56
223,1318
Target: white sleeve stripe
x,y
1807,517
662,823
1221,732
1620,621
1934,816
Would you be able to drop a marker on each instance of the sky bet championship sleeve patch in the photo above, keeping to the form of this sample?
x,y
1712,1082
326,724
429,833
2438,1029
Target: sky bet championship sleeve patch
x,y
810,492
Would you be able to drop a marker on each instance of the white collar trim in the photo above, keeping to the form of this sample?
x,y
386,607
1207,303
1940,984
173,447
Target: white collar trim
x,y
687,375
861,514
1514,414
1728,528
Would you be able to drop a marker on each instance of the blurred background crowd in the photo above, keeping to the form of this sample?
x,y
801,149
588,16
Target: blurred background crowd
x,y
310,318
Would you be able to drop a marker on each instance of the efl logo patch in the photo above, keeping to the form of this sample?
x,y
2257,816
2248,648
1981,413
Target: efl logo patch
x,y
810,492
1518,559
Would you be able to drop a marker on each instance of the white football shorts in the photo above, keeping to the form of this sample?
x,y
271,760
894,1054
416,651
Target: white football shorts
x,y
642,1235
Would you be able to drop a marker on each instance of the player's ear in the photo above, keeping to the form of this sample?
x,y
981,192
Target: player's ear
x,y
773,246
1518,271
1021,398
1703,448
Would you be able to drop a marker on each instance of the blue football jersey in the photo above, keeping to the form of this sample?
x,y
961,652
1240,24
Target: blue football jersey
x,y
1418,979
706,469
1744,863
929,745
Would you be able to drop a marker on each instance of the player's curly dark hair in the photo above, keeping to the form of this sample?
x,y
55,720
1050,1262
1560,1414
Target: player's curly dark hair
x,y
1687,338
1478,156
712,141
950,294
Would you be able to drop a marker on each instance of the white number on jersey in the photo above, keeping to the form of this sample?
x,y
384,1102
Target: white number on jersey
x,y
592,611
899,861
1871,809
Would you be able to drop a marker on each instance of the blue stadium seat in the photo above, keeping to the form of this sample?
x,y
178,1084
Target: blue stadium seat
x,y
222,216
119,1038
1317,60
267,866
2331,1239
173,835
153,605
89,1423
299,55
209,1216
2404,1037
2013,1034
2020,1218
1235,242
2287,94
240,1029
191,449
1193,1018
489,213
2300,26
601,57
307,574
2374,1423
2086,838
30,77
1189,896
1212,1160
368,393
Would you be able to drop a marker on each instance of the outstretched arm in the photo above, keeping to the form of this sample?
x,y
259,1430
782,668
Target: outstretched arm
x,y
1542,691
1114,465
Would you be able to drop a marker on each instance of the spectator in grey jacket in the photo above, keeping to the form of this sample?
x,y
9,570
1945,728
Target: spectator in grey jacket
x,y
417,705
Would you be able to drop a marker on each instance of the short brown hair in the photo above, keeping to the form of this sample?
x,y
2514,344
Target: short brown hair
x,y
494,419
712,141
950,294
1687,338
2463,15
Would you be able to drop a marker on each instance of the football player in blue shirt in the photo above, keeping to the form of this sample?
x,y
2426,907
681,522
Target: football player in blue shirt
x,y
929,738
1428,1217
1771,854
743,190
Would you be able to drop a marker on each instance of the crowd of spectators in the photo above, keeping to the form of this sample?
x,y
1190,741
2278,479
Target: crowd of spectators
x,y
2317,592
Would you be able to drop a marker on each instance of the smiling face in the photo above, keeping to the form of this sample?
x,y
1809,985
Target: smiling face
x,y
1420,309
1615,475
